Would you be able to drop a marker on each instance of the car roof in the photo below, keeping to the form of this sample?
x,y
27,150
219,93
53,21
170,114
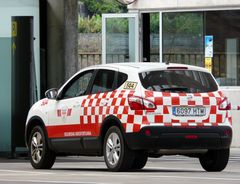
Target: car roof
x,y
138,67
143,67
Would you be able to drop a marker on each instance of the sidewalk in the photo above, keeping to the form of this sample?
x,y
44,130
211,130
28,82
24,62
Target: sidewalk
x,y
235,152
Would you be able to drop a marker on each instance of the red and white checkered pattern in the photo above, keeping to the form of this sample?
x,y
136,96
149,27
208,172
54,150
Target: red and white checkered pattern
x,y
95,108
165,101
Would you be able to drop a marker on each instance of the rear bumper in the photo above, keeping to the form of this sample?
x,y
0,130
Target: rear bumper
x,y
180,138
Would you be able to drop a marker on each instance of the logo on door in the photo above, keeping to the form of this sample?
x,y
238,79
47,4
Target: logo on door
x,y
64,112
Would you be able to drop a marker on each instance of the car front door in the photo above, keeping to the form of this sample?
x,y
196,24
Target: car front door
x,y
64,113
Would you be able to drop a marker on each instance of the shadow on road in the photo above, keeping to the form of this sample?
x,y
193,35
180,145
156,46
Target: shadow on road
x,y
129,171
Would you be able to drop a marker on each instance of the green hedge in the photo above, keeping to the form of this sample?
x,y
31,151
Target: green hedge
x,y
97,8
90,25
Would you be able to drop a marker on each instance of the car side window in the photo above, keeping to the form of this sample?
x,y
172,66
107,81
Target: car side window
x,y
78,86
104,81
122,77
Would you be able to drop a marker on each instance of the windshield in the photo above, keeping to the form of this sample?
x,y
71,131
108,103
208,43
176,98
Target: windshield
x,y
187,81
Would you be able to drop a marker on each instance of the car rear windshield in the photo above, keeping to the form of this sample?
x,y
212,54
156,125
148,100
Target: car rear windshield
x,y
187,81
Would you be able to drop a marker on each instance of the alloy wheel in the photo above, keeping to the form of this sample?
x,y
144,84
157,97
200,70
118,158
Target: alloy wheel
x,y
36,147
113,149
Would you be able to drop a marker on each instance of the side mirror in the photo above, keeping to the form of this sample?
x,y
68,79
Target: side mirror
x,y
51,93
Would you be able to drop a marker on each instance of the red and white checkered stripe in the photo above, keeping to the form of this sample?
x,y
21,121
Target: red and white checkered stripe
x,y
95,108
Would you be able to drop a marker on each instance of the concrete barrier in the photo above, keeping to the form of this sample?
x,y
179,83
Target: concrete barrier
x,y
233,93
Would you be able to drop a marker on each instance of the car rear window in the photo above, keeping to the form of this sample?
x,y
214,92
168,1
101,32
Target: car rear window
x,y
188,81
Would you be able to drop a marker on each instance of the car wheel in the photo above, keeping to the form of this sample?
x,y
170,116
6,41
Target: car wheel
x,y
139,161
215,160
41,157
118,157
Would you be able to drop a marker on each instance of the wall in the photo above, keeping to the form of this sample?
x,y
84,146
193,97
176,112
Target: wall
x,y
183,4
233,94
62,19
7,10
55,44
5,94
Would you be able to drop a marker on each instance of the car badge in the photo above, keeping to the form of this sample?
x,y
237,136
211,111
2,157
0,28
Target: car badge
x,y
189,97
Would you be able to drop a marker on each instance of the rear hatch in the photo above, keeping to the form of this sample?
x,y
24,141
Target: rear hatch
x,y
182,97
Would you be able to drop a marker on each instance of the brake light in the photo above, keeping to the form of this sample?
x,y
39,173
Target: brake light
x,y
225,104
139,103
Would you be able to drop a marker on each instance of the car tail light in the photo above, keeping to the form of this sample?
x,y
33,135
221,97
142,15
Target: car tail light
x,y
225,104
139,103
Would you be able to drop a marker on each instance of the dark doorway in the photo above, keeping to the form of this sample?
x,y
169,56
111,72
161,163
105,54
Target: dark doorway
x,y
23,76
150,37
146,36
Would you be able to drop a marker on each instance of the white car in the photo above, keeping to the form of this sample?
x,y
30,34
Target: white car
x,y
128,112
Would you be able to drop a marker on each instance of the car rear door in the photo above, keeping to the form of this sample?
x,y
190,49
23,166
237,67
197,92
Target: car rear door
x,y
96,106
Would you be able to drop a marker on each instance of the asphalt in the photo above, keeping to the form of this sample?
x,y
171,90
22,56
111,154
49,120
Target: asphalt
x,y
92,170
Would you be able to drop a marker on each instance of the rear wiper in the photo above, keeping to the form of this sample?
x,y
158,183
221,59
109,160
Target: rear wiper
x,y
175,89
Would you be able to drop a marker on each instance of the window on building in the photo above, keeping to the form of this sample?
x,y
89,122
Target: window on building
x,y
183,38
225,29
154,37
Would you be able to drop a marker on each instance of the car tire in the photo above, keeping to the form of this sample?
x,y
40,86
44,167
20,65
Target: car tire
x,y
41,157
117,156
139,161
215,160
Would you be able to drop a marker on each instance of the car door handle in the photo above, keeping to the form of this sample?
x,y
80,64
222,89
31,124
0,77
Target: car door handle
x,y
104,102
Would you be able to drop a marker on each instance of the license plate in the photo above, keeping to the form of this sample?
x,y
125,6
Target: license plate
x,y
189,111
